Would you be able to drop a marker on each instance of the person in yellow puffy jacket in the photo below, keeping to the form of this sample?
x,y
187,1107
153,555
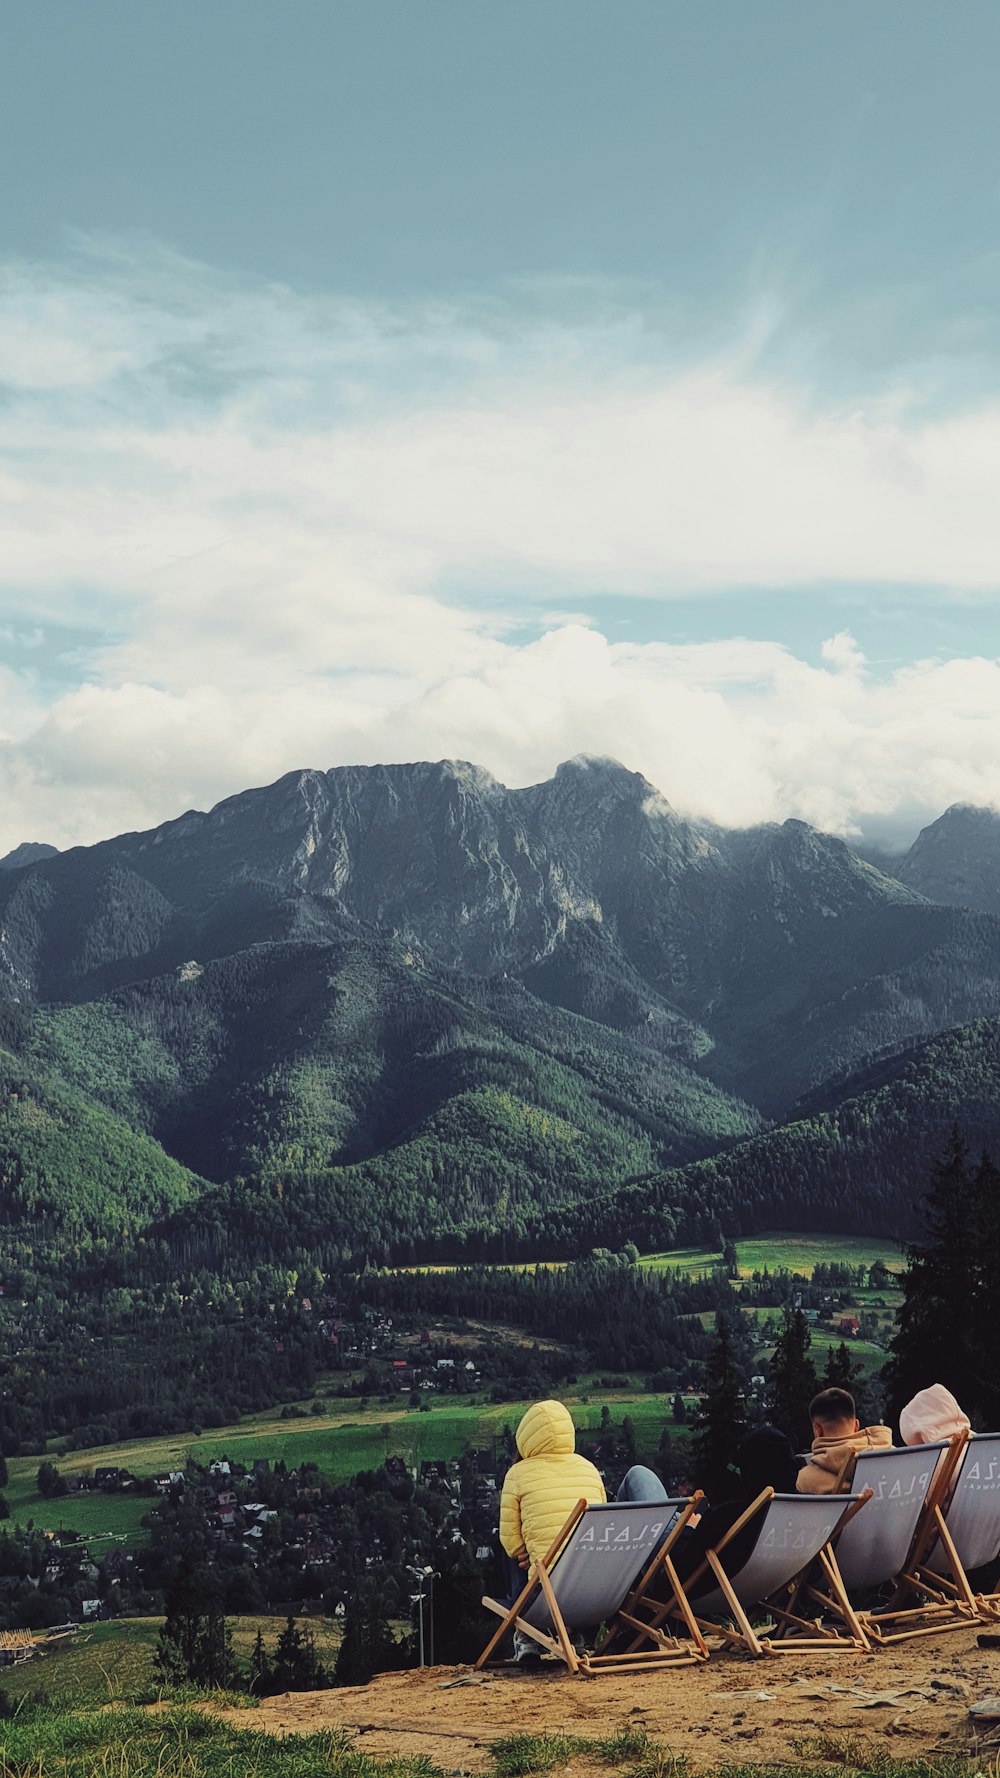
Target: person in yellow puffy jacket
x,y
540,1492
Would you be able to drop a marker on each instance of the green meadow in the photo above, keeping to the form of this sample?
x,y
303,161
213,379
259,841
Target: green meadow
x,y
339,1444
781,1251
351,1437
112,1663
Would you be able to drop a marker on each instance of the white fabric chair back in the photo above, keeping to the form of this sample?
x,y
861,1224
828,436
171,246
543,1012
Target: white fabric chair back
x,y
873,1546
795,1528
973,1514
602,1560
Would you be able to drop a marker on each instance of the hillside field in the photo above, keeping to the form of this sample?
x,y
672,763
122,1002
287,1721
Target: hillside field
x,y
340,1444
781,1251
347,1439
113,1662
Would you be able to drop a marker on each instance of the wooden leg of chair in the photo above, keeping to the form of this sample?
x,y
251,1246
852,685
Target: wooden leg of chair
x,y
839,1591
686,1613
961,1579
508,1616
746,1628
569,1653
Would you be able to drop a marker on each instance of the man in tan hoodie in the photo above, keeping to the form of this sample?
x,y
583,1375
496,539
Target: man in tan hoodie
x,y
837,1439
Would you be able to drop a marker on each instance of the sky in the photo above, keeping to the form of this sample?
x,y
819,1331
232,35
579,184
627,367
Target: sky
x,y
502,380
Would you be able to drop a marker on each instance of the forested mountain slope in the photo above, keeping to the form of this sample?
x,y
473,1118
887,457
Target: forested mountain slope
x,y
408,1005
855,1161
69,1167
288,1062
771,956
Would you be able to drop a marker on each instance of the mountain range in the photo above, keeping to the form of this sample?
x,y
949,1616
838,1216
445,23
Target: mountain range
x,y
405,1007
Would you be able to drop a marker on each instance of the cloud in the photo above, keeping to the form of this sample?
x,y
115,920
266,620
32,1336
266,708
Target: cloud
x,y
737,732
304,530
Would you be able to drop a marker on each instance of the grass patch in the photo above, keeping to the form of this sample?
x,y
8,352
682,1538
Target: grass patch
x,y
853,1752
782,1251
179,1743
516,1755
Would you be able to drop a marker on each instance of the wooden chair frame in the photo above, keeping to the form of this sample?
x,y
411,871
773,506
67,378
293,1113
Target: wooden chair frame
x,y
795,1633
665,1650
923,1603
947,1599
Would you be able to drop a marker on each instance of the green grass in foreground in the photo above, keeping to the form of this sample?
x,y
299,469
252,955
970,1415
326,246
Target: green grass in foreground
x,y
191,1742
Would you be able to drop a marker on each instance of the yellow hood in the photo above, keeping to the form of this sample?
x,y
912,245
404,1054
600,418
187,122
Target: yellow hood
x,y
546,1431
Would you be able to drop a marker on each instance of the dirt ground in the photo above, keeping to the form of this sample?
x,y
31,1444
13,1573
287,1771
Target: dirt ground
x,y
913,1699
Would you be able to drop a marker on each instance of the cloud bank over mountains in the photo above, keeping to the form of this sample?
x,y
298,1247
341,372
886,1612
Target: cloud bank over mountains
x,y
244,528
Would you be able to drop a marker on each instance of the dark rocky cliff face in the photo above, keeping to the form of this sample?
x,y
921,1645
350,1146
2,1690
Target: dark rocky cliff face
x,y
30,852
772,953
957,859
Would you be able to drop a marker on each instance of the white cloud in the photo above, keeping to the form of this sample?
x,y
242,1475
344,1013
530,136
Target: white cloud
x,y
308,528
738,737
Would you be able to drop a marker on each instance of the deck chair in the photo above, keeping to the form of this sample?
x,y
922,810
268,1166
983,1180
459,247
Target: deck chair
x,y
598,1571
904,1484
793,1530
963,1534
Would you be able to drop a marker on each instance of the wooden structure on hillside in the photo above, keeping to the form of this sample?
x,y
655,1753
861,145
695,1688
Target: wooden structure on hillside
x,y
15,1645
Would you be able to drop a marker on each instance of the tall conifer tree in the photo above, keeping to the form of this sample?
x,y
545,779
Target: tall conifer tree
x,y
721,1418
947,1330
792,1382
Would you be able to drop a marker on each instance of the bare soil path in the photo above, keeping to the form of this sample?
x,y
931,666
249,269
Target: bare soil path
x,y
913,1700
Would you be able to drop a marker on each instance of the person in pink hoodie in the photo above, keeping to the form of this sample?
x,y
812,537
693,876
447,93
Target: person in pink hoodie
x,y
837,1436
933,1414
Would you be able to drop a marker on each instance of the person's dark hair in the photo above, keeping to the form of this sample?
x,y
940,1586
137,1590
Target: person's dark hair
x,y
767,1460
831,1406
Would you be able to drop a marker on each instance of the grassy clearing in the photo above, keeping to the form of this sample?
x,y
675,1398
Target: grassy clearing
x,y
339,1444
781,1251
179,1743
96,1516
112,1663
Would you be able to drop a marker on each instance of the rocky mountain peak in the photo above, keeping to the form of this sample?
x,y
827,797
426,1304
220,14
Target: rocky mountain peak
x,y
957,859
29,852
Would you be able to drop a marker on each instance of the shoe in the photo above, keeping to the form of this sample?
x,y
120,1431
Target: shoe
x,y
526,1652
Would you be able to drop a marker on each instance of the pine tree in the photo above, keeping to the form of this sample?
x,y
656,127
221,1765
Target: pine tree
x,y
792,1381
985,1329
195,1641
260,1675
940,1322
843,1373
368,1646
720,1422
3,1470
678,1409
296,1667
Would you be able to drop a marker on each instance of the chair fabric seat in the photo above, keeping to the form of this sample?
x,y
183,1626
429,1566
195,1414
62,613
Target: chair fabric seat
x,y
973,1514
873,1546
602,1560
794,1529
